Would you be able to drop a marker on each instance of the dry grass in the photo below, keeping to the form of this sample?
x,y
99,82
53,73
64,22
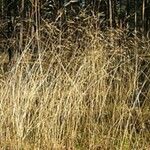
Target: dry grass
x,y
80,92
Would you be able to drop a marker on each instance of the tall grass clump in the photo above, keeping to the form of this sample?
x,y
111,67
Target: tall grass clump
x,y
76,88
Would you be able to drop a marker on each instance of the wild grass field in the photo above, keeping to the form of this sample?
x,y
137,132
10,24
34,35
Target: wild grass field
x,y
83,89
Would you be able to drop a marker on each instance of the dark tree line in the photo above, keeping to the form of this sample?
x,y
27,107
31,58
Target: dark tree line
x,y
132,14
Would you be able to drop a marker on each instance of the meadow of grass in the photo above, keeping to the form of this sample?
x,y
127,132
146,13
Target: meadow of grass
x,y
76,89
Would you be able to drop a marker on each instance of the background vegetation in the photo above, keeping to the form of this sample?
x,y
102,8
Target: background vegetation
x,y
74,75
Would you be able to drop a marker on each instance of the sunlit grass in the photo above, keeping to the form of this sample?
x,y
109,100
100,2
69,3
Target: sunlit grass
x,y
79,91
